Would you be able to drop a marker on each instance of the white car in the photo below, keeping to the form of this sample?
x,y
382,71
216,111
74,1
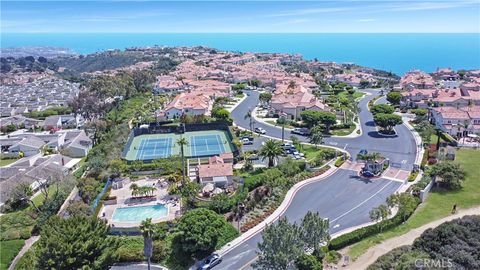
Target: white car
x,y
260,130
246,141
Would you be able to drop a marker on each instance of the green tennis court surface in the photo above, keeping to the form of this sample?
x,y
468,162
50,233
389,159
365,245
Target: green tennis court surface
x,y
200,144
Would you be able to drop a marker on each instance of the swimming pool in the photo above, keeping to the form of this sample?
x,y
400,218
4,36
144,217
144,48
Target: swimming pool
x,y
140,213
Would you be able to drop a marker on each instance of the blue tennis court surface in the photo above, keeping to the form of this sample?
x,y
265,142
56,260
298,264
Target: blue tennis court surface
x,y
153,148
207,145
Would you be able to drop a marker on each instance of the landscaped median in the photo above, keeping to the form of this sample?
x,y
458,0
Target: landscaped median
x,y
438,205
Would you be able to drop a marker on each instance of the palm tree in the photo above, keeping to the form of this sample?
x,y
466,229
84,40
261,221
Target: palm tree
x,y
271,150
281,121
182,142
250,118
238,144
134,189
147,229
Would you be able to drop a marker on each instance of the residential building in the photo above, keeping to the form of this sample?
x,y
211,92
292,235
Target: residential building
x,y
294,100
191,103
457,122
218,171
417,79
446,74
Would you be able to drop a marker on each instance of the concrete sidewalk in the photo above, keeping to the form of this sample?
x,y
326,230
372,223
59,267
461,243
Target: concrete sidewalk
x,y
375,252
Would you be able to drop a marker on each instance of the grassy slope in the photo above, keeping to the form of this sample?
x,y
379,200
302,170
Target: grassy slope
x,y
437,205
4,162
8,251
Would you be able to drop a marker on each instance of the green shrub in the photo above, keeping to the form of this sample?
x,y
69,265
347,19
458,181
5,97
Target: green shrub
x,y
28,261
412,176
339,162
308,262
16,225
359,234
130,249
333,256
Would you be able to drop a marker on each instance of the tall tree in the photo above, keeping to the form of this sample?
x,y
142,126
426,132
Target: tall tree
x,y
394,97
75,243
387,121
147,229
265,97
382,108
379,213
449,174
271,150
316,135
282,244
199,231
182,142
251,123
315,230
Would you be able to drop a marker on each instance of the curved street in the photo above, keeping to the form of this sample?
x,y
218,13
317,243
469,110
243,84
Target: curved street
x,y
344,198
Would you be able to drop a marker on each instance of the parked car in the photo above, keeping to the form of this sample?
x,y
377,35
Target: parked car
x,y
287,146
260,130
368,174
363,152
297,156
301,131
246,141
247,137
210,262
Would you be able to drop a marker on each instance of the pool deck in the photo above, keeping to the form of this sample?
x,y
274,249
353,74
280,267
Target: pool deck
x,y
124,196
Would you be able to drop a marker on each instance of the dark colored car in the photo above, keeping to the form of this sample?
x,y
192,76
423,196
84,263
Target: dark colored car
x,y
363,152
368,174
210,262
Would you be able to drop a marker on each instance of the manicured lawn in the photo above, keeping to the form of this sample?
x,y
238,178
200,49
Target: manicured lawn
x,y
8,251
437,205
4,162
273,122
356,95
343,132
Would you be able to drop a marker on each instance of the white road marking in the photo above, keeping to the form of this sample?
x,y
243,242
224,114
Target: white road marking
x,y
345,146
333,143
336,226
360,204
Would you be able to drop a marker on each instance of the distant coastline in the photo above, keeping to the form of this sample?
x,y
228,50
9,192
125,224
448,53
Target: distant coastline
x,y
397,53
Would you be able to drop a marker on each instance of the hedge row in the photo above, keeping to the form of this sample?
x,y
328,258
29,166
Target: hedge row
x,y
339,162
362,233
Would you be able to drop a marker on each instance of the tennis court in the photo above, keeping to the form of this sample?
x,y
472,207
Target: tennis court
x,y
199,144
152,148
206,145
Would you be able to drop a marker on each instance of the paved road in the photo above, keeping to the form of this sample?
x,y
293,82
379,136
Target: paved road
x,y
343,197
399,149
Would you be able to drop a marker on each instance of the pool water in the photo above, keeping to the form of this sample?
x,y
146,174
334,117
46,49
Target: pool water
x,y
140,213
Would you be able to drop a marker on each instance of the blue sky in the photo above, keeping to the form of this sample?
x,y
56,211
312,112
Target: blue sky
x,y
241,16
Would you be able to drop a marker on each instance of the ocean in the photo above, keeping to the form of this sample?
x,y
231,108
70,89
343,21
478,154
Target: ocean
x,y
397,53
